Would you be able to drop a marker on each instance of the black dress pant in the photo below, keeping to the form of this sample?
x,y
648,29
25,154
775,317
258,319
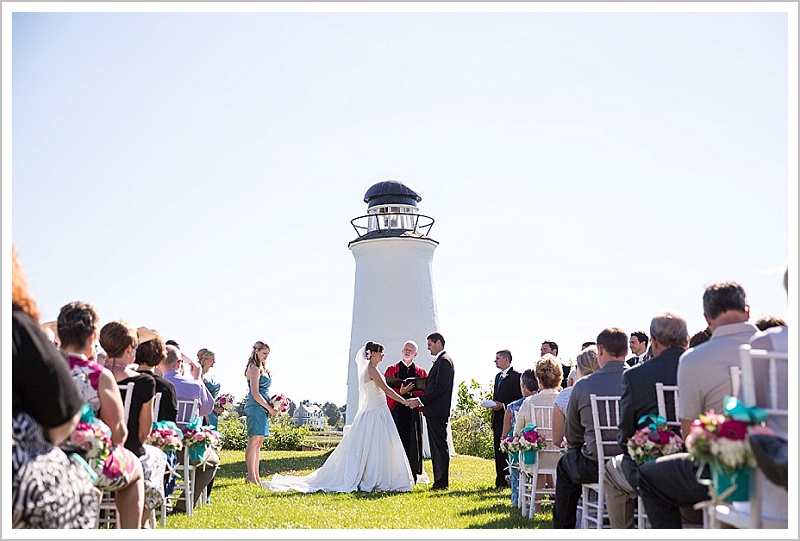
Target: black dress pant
x,y
572,471
440,454
667,484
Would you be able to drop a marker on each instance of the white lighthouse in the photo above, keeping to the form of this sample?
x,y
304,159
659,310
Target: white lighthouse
x,y
393,299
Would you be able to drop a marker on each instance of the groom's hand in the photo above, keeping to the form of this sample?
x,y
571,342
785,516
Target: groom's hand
x,y
412,403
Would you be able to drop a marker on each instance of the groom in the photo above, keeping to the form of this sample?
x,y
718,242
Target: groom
x,y
436,400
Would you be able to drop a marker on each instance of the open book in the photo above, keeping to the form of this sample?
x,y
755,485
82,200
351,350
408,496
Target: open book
x,y
396,383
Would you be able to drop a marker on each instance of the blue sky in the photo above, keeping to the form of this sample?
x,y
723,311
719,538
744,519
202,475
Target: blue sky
x,y
196,172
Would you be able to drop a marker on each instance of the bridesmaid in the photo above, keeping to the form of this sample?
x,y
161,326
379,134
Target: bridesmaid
x,y
206,358
257,408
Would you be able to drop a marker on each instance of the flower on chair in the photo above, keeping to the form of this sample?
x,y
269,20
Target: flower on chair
x,y
653,440
166,436
721,438
531,440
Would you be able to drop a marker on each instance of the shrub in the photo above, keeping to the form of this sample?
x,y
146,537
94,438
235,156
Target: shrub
x,y
233,430
472,435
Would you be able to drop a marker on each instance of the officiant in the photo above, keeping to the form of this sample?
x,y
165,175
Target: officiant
x,y
506,390
407,420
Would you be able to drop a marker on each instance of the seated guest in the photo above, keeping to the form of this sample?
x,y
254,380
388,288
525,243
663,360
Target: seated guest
x,y
149,356
120,340
669,336
579,464
549,377
585,364
191,389
669,483
46,408
121,472
528,386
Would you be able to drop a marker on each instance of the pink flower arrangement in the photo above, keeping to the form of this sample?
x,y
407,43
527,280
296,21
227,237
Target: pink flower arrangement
x,y
225,401
531,440
192,436
90,440
653,441
166,439
279,402
721,438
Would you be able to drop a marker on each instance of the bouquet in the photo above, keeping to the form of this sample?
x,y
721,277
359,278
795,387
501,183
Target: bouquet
x,y
224,401
653,440
279,402
531,440
720,439
90,440
166,436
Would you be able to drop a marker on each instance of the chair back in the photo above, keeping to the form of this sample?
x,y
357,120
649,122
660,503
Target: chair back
x,y
765,384
156,406
187,410
605,415
126,391
736,380
668,406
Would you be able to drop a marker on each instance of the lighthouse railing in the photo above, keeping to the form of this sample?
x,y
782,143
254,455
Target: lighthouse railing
x,y
392,221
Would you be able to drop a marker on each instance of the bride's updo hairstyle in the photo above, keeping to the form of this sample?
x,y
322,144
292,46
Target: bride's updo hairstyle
x,y
258,346
372,347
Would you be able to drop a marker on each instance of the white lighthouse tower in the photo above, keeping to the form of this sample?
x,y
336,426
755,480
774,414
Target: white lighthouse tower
x,y
393,299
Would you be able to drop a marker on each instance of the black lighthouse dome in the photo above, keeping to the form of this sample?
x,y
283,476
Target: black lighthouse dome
x,y
391,192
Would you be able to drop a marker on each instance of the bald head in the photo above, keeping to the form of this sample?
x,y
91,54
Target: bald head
x,y
172,362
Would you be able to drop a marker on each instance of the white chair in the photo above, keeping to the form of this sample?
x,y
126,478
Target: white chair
x,y
764,385
529,494
107,514
605,415
187,410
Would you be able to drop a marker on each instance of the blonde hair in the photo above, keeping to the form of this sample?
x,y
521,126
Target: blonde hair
x,y
204,354
253,359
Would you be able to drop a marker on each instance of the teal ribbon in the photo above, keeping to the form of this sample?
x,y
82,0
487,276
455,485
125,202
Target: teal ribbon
x,y
738,411
655,421
528,428
161,425
87,414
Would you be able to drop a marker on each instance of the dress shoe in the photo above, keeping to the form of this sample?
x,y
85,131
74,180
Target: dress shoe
x,y
439,487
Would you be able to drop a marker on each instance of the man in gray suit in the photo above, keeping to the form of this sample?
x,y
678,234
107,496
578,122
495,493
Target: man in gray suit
x,y
579,464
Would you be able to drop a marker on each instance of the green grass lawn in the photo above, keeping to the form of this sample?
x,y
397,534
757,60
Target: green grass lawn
x,y
471,503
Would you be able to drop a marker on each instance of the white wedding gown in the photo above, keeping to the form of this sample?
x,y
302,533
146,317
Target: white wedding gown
x,y
370,456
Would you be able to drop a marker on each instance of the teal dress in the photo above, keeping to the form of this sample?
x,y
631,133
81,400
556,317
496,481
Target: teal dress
x,y
213,388
257,416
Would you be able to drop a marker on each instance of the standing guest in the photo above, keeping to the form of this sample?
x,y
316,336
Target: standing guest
x,y
206,358
585,364
669,483
437,400
638,344
528,386
257,408
549,377
767,322
78,324
191,389
506,390
579,464
549,346
408,420
669,338
45,407
120,340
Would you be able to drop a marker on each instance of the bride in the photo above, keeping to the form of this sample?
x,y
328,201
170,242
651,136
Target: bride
x,y
370,456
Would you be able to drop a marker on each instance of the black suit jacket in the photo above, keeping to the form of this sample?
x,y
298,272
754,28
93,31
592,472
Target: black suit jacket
x,y
639,397
506,391
438,395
